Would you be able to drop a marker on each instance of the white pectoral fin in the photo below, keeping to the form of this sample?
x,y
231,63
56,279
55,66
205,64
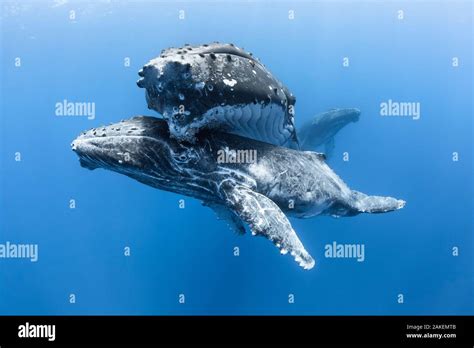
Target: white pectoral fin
x,y
266,219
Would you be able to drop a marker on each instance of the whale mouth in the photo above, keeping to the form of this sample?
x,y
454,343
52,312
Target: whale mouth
x,y
88,152
88,164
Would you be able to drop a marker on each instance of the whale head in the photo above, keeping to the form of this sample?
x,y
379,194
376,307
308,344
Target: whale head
x,y
141,148
218,86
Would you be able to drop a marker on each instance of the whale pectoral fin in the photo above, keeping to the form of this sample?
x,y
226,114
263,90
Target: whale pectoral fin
x,y
227,215
266,219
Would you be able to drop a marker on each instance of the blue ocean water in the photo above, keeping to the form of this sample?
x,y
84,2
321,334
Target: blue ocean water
x,y
423,252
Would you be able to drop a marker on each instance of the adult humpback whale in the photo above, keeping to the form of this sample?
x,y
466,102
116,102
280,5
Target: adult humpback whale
x,y
219,86
281,181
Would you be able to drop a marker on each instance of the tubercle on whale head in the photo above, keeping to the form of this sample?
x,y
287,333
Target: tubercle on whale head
x,y
168,84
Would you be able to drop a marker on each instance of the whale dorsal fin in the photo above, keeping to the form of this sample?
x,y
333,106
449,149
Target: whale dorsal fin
x,y
266,219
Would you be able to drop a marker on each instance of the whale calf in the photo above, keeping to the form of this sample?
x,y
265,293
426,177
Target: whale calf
x,y
320,131
219,86
260,193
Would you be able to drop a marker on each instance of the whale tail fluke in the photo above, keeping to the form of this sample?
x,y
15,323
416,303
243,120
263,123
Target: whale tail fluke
x,y
375,204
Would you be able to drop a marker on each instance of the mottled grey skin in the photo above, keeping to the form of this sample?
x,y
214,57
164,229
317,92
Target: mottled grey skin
x,y
281,181
219,86
320,131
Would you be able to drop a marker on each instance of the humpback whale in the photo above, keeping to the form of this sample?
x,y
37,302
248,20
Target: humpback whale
x,y
320,131
259,194
219,86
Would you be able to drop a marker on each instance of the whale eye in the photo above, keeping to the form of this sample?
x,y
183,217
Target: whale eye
x,y
186,156
181,157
